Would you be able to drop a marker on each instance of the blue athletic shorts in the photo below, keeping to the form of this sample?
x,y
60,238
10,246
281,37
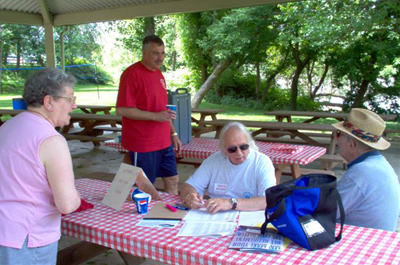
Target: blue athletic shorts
x,y
161,163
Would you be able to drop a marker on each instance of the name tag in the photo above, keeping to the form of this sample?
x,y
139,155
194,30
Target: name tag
x,y
220,188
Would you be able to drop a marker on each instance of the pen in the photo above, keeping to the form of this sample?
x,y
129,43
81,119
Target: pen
x,y
180,207
172,209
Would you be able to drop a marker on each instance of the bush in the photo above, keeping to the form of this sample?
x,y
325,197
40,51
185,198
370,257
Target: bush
x,y
11,82
277,99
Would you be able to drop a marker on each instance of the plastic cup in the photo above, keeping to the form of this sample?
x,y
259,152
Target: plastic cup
x,y
142,202
172,107
19,103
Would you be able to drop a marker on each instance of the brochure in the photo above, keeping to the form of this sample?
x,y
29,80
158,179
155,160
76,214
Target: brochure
x,y
249,239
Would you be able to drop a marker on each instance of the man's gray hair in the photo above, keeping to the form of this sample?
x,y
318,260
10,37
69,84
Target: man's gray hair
x,y
49,81
242,129
151,39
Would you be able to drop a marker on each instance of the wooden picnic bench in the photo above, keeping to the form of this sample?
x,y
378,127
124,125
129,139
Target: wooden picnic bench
x,y
280,115
88,129
201,128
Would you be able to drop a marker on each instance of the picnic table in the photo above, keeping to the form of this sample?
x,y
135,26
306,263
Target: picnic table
x,y
8,112
93,109
280,115
106,228
204,114
88,129
282,155
299,130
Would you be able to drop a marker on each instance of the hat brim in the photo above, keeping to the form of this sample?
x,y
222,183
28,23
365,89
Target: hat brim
x,y
382,144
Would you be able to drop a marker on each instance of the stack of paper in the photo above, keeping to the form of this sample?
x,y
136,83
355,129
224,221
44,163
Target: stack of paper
x,y
201,223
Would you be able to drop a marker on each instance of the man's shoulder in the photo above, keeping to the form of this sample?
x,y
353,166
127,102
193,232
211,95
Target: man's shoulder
x,y
134,67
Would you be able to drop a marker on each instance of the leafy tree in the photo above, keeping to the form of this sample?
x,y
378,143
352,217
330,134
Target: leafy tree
x,y
192,28
239,37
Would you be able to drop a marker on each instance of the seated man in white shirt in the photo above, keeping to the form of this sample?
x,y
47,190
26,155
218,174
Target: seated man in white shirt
x,y
236,177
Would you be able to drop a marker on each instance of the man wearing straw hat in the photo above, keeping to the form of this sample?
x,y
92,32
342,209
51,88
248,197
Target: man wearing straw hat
x,y
370,188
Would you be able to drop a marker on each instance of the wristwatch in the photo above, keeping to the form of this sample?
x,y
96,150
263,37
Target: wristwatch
x,y
234,202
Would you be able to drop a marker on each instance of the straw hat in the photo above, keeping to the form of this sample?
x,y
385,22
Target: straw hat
x,y
366,126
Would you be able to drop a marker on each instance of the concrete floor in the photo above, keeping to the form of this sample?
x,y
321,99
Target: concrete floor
x,y
88,159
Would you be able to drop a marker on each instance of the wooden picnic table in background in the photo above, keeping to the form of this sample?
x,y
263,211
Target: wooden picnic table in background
x,y
8,112
300,130
91,126
93,109
280,115
204,113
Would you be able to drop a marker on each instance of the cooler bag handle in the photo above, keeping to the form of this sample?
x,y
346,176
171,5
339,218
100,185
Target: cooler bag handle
x,y
278,212
342,215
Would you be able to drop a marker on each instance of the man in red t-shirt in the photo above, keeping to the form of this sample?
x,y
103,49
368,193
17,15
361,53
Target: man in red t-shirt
x,y
147,129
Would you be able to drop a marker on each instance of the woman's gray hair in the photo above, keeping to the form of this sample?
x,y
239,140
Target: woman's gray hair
x,y
242,129
49,81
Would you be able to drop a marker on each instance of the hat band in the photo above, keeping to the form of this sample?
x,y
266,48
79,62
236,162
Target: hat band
x,y
370,137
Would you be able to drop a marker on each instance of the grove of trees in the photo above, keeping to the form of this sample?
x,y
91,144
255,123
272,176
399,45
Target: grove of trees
x,y
276,56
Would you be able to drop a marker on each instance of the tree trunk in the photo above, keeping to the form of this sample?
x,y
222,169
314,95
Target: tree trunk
x,y
361,94
266,89
321,81
273,75
300,65
199,96
149,27
310,69
258,81
18,53
173,60
204,73
294,88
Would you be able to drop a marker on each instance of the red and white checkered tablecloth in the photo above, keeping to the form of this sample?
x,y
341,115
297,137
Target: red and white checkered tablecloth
x,y
201,148
116,229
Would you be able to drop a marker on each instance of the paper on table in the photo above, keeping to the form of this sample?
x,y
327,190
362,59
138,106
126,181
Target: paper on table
x,y
251,218
201,228
201,215
158,223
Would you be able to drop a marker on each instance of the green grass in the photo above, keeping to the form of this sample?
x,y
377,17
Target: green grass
x,y
107,95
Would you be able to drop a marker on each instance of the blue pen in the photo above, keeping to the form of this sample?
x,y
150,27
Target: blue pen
x,y
180,207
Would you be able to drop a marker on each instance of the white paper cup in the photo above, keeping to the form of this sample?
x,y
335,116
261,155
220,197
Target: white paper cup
x,y
142,201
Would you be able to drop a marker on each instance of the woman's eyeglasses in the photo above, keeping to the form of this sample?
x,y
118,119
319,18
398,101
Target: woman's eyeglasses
x,y
70,100
242,147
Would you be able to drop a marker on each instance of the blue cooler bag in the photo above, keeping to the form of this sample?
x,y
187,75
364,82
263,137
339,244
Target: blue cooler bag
x,y
304,210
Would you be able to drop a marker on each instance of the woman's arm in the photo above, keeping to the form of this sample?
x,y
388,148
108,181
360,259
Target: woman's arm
x,y
56,158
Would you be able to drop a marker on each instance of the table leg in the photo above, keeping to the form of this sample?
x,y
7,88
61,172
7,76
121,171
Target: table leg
x,y
295,169
79,253
131,260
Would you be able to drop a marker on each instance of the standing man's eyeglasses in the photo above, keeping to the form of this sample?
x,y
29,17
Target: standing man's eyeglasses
x,y
242,147
70,100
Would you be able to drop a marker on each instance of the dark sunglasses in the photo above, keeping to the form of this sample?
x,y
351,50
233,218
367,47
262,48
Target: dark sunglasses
x,y
242,147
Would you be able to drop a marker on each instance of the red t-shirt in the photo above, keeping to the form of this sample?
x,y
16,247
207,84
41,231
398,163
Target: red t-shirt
x,y
146,90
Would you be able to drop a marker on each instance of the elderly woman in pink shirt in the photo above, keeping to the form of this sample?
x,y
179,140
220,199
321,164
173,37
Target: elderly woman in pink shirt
x,y
36,174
